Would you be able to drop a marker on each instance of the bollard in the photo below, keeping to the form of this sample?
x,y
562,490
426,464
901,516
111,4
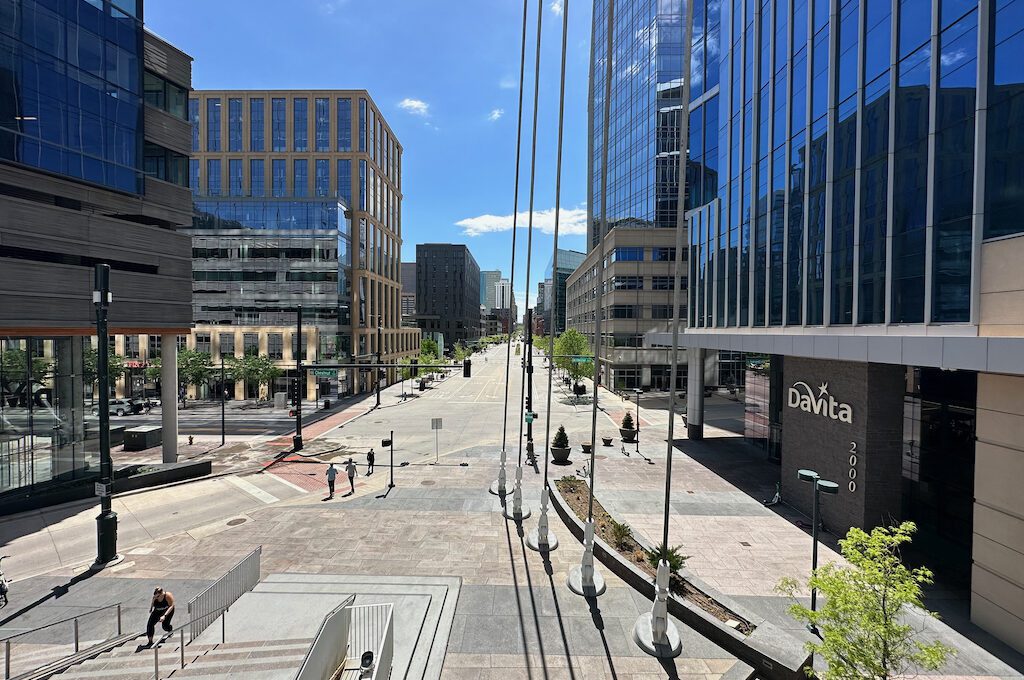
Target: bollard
x,y
156,662
119,618
76,636
181,646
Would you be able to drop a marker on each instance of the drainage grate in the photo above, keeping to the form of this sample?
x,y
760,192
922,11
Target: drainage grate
x,y
428,482
744,544
235,522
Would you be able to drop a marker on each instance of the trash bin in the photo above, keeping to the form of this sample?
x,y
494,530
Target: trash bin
x,y
327,403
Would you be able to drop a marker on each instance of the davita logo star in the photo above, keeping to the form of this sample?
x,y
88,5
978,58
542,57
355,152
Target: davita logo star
x,y
801,396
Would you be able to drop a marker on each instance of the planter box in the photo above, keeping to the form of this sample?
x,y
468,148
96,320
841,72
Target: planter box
x,y
560,455
773,651
628,436
143,437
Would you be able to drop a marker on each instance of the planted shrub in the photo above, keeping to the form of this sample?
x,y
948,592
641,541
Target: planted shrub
x,y
561,439
672,555
621,533
627,421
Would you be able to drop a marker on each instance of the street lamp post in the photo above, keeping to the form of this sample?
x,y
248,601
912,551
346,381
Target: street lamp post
x,y
297,439
390,442
223,400
638,392
106,521
377,370
820,486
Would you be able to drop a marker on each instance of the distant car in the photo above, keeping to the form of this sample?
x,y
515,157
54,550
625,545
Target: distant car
x,y
120,407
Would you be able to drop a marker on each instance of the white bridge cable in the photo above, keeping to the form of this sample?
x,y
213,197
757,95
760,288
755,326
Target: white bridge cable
x,y
527,360
515,213
554,247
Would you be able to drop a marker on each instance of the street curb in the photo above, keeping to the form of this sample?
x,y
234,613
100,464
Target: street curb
x,y
761,649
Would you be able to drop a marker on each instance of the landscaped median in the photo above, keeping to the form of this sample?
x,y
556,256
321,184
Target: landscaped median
x,y
775,653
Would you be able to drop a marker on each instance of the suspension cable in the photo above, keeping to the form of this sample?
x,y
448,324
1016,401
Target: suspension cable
x,y
554,248
598,339
515,215
529,225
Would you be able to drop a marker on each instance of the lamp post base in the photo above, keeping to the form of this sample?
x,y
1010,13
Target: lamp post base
x,y
499,492
643,634
296,442
533,541
576,584
510,513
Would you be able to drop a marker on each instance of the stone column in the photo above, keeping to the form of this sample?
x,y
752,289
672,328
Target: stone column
x,y
169,396
695,393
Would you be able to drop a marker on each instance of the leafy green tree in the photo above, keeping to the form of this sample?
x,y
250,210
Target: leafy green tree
x,y
13,366
429,346
153,370
460,352
863,632
572,342
194,367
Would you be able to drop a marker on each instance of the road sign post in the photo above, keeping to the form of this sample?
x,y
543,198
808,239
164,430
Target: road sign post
x,y
435,425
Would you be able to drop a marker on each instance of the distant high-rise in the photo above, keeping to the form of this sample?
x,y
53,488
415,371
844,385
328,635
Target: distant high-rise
x,y
488,278
552,305
408,290
448,291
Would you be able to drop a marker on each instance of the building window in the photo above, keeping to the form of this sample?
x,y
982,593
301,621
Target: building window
x,y
362,185
213,176
213,124
235,176
663,254
234,124
250,343
203,342
323,176
257,185
181,341
153,351
278,131
628,283
164,164
300,181
663,283
256,123
164,95
625,312
275,346
227,345
345,124
628,255
193,117
280,177
131,346
345,181
193,174
323,124
300,124
362,125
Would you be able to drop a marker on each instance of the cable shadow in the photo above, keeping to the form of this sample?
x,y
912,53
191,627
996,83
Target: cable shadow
x,y
595,614
533,605
519,603
558,615
55,593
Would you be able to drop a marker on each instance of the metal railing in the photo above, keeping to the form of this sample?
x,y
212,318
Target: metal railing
x,y
222,593
372,630
43,642
222,612
330,645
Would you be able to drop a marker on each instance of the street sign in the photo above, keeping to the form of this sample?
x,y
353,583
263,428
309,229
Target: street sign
x,y
325,372
530,416
581,360
102,490
435,423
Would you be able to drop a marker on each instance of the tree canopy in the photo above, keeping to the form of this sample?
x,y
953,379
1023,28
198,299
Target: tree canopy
x,y
574,343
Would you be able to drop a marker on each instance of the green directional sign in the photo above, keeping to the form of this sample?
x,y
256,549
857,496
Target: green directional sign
x,y
325,372
582,360
530,416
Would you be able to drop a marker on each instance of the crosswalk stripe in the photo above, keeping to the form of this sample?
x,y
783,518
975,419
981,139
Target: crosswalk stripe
x,y
253,490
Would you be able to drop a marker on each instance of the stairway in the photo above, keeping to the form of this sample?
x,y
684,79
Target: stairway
x,y
255,660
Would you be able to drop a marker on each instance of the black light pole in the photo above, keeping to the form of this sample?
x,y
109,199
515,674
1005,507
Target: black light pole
x,y
297,439
638,393
390,442
820,486
223,400
528,318
106,522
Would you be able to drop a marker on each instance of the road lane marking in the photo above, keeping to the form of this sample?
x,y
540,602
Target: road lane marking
x,y
253,490
284,481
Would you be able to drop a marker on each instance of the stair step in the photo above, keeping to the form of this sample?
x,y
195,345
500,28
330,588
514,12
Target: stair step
x,y
240,668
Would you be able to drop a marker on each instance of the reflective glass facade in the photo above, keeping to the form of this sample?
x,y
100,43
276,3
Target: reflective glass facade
x,y
847,152
71,86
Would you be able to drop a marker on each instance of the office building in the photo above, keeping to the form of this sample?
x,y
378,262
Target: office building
x,y
539,309
488,279
408,290
636,239
862,245
448,291
298,202
505,306
94,144
551,292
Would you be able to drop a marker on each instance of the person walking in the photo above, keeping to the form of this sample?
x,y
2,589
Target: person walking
x,y
370,457
161,610
332,473
350,468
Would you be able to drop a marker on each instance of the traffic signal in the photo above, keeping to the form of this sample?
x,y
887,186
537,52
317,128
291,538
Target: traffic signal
x,y
467,367
414,370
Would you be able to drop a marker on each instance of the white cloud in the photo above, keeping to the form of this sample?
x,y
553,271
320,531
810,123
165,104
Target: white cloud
x,y
507,83
331,6
572,222
557,6
495,114
416,107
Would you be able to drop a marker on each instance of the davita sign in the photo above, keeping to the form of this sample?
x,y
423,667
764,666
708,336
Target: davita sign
x,y
802,396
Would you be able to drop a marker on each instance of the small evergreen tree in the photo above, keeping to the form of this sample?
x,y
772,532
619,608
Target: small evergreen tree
x,y
627,421
561,439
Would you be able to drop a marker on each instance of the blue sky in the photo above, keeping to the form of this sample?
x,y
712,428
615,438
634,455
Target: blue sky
x,y
445,75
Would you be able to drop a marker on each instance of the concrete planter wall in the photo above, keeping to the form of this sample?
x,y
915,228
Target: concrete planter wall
x,y
774,653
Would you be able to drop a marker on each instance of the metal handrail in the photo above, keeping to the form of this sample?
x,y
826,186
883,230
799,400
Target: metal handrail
x,y
240,579
7,640
310,658
182,644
